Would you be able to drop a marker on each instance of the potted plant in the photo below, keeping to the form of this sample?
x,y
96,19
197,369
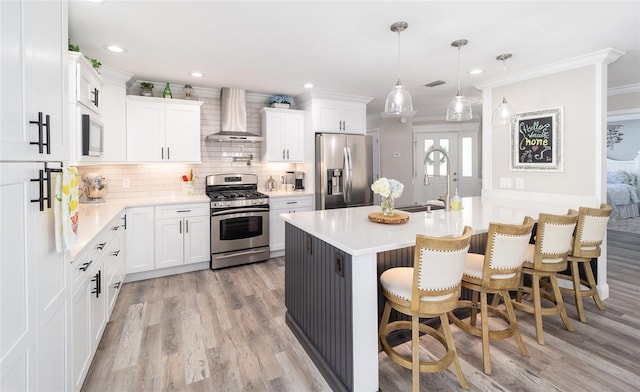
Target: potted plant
x,y
146,89
280,101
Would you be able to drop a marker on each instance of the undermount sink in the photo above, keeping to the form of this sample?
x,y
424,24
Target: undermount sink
x,y
421,208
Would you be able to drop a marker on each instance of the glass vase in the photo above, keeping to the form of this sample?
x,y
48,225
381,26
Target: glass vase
x,y
387,206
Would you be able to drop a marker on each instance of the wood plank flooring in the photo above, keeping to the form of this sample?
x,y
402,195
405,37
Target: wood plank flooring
x,y
224,330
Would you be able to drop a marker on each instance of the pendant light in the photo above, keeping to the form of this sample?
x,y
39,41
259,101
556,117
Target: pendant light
x,y
504,114
459,109
399,100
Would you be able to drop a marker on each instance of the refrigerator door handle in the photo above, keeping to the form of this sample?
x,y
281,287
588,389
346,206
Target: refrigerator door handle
x,y
345,173
349,176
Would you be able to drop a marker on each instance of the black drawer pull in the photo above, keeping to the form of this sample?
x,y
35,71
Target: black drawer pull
x,y
183,211
101,245
116,253
85,266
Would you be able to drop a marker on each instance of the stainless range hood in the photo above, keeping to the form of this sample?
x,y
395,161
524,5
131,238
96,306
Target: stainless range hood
x,y
233,110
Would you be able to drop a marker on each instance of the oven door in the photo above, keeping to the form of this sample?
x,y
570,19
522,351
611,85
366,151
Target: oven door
x,y
238,229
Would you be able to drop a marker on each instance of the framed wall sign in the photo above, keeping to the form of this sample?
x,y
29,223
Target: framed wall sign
x,y
536,140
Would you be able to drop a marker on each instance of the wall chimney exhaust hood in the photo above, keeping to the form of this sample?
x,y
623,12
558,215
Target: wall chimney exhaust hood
x,y
233,109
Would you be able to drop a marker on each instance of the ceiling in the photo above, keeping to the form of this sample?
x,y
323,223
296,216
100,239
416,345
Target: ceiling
x,y
274,47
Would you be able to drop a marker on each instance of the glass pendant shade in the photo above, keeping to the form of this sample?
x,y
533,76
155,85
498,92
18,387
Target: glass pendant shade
x,y
504,114
459,109
398,100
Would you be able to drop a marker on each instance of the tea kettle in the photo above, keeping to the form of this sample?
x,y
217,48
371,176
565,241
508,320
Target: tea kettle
x,y
94,188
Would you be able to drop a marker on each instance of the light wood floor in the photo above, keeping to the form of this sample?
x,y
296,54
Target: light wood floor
x,y
224,330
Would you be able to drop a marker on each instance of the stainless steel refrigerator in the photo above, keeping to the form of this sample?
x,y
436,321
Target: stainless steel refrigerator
x,y
344,170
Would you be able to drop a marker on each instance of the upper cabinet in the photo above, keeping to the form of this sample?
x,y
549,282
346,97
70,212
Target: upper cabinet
x,y
335,112
283,130
33,41
85,85
162,130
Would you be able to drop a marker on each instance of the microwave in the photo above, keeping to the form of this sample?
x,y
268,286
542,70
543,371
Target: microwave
x,y
92,136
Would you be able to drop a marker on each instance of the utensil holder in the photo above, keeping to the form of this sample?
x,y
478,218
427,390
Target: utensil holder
x,y
187,188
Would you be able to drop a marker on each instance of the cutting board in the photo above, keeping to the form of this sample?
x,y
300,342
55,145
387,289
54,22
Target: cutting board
x,y
396,218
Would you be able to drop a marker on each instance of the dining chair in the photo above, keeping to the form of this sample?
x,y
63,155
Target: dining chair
x,y
496,272
589,234
428,289
544,260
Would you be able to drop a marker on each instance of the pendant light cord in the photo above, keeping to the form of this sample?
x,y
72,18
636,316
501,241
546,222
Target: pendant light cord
x,y
398,63
458,71
504,79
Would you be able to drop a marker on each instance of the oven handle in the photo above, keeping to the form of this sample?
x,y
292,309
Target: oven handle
x,y
249,252
238,211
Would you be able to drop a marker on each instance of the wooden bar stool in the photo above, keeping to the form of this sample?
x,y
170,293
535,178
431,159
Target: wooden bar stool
x,y
430,289
543,260
496,272
590,231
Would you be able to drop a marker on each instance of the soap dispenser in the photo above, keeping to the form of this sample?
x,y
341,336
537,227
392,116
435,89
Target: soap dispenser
x,y
456,201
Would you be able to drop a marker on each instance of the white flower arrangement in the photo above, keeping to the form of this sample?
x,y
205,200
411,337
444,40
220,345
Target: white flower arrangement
x,y
387,188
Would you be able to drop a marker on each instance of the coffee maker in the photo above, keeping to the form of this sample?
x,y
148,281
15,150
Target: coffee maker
x,y
299,181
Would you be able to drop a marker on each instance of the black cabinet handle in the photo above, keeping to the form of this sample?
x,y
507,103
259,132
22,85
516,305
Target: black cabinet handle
x,y
41,144
85,266
98,290
186,229
117,285
162,152
125,221
180,227
115,253
95,93
101,245
168,154
40,181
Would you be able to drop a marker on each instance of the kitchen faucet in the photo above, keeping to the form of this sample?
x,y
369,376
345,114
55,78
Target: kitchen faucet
x,y
447,200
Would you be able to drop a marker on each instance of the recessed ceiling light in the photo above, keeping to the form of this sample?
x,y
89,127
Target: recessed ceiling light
x,y
308,85
475,71
114,48
197,74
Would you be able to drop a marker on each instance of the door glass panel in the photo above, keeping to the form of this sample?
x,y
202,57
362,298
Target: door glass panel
x,y
444,145
467,157
428,145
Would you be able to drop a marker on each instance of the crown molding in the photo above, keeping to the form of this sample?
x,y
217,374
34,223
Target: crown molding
x,y
605,56
620,90
114,75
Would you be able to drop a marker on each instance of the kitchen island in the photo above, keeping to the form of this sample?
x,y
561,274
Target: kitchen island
x,y
332,262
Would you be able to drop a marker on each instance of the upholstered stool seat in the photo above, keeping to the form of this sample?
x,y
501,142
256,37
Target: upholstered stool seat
x,y
590,231
496,272
542,262
430,289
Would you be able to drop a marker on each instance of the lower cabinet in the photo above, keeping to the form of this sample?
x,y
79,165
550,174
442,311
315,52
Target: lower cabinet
x,y
139,240
182,234
284,205
166,236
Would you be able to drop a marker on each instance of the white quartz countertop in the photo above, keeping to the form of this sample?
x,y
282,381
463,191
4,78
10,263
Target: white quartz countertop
x,y
94,217
349,229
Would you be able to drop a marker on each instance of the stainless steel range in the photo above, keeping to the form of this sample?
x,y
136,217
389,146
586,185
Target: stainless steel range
x,y
239,220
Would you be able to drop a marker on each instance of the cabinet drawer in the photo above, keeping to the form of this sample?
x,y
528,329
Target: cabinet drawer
x,y
182,210
291,202
81,266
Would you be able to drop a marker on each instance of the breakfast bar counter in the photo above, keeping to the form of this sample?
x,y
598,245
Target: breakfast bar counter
x,y
332,262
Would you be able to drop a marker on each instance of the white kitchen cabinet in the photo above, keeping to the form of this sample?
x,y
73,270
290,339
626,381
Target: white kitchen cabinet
x,y
114,114
335,112
162,130
283,130
139,240
85,84
33,74
284,205
91,301
182,234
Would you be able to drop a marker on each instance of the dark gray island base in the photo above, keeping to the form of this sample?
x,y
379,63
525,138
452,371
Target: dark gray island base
x,y
319,300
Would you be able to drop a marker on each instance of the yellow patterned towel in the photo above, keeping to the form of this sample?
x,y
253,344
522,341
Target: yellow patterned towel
x,y
65,208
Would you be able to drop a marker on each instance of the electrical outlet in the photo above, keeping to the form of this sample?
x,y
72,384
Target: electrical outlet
x,y
519,183
505,182
125,183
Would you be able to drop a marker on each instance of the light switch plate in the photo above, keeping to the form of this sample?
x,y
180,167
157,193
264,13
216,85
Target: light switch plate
x,y
505,182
